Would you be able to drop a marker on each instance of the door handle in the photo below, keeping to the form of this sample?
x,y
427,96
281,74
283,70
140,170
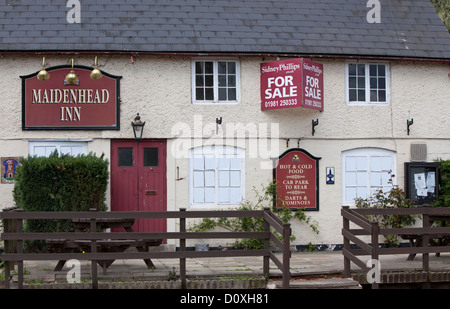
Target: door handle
x,y
150,192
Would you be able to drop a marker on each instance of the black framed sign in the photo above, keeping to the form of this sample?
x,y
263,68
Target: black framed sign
x,y
296,174
86,104
422,182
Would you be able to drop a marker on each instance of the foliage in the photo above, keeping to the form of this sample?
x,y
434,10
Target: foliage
x,y
246,224
443,9
444,184
395,198
60,183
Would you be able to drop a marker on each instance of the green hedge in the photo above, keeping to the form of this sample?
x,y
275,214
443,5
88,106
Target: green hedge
x,y
60,183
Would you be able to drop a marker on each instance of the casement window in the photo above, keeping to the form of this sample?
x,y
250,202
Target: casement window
x,y
44,149
366,171
216,175
215,81
367,84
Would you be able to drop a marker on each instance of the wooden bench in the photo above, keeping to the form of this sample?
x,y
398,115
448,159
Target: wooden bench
x,y
435,240
63,246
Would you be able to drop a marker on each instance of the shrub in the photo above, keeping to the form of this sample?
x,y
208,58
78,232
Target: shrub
x,y
60,183
245,224
395,198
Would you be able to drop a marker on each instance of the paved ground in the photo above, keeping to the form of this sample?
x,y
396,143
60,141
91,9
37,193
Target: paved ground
x,y
302,264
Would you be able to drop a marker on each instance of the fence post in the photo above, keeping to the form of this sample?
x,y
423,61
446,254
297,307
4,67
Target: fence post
x,y
426,243
374,241
183,249
286,255
266,258
346,227
20,251
93,229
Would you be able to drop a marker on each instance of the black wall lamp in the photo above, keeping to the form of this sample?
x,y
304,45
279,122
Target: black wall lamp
x,y
138,127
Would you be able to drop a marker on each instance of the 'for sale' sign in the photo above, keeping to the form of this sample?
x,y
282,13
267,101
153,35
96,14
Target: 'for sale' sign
x,y
291,83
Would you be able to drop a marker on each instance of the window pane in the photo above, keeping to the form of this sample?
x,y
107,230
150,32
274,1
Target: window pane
x,y
222,80
150,156
382,96
373,70
235,195
352,95
224,178
352,69
209,80
210,195
373,96
381,70
231,67
222,67
209,67
361,95
199,67
224,195
198,179
209,179
361,82
222,94
231,80
361,70
199,94
209,94
199,82
235,178
381,83
232,94
199,195
125,156
373,83
352,82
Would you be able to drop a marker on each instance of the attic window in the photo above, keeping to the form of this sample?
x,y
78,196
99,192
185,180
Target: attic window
x,y
215,81
367,84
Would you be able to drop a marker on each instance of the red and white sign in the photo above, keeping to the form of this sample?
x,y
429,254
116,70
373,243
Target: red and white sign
x,y
297,180
291,83
90,104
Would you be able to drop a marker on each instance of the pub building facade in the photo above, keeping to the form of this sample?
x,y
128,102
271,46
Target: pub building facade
x,y
330,98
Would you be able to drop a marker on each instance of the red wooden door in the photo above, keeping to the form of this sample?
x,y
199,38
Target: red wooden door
x,y
138,180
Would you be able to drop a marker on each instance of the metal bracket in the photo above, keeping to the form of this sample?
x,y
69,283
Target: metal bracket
x,y
314,124
408,124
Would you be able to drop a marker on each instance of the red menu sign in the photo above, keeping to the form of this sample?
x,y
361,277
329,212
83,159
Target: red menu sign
x,y
89,104
297,180
291,83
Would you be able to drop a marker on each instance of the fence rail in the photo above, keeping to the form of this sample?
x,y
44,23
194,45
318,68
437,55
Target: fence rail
x,y
13,236
426,239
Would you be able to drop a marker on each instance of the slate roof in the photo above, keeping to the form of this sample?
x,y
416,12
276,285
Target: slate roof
x,y
408,28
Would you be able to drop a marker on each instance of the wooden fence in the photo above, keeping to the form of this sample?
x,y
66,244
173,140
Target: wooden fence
x,y
16,235
425,239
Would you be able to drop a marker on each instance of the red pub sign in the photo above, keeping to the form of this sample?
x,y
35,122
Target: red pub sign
x,y
291,83
53,104
297,180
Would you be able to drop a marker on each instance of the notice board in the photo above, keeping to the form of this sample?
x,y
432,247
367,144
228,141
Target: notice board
x,y
422,182
297,180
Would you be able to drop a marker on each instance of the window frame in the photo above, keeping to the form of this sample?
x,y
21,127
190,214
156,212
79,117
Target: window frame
x,y
367,101
57,145
369,153
216,151
216,100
